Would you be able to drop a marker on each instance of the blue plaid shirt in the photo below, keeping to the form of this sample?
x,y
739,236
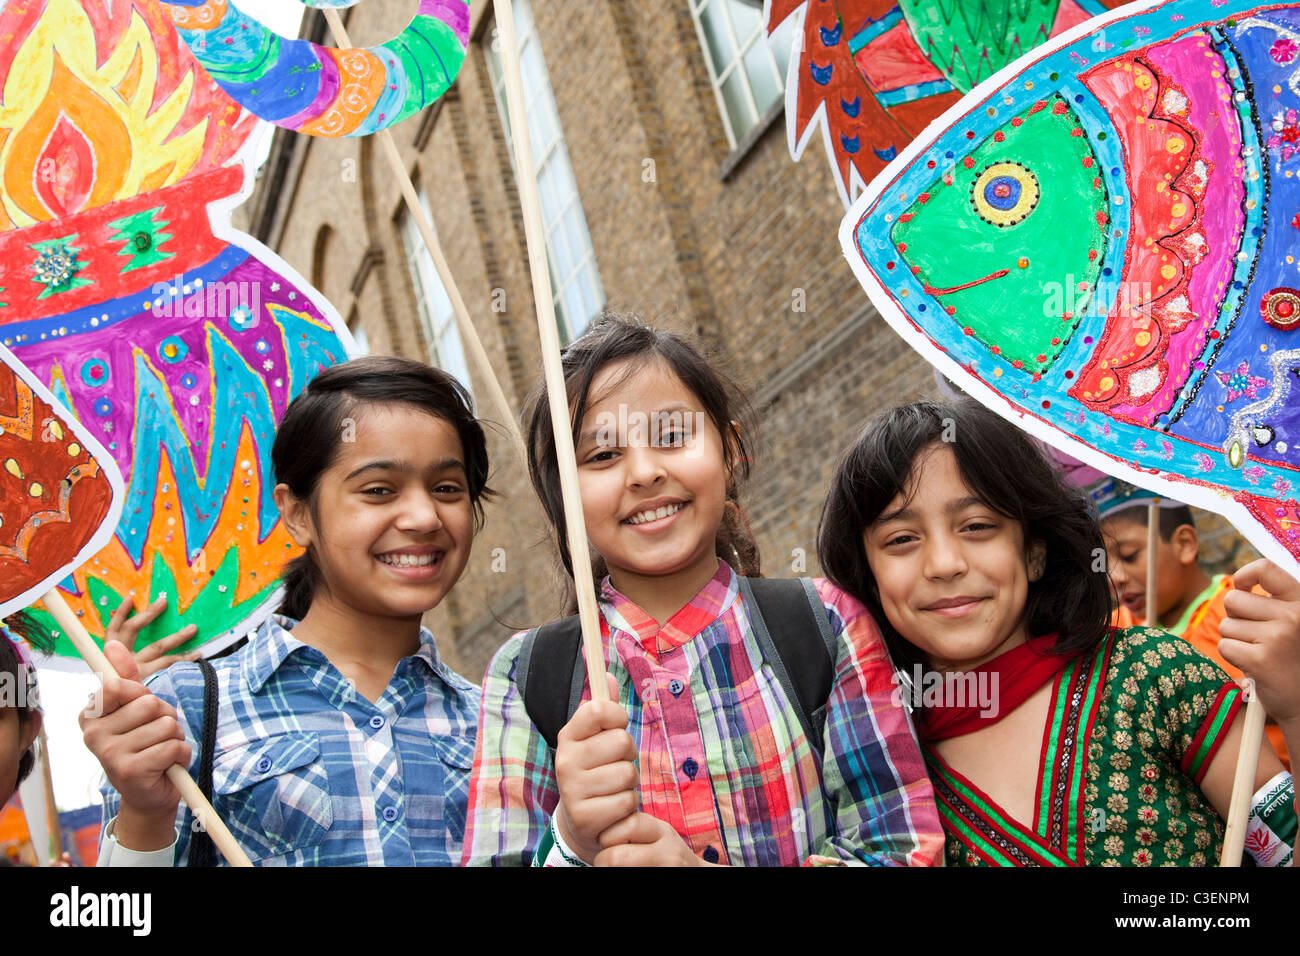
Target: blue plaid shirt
x,y
307,772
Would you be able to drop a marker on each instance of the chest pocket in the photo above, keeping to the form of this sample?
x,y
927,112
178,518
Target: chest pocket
x,y
274,794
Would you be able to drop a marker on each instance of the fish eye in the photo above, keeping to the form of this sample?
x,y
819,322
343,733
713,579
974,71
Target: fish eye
x,y
1004,194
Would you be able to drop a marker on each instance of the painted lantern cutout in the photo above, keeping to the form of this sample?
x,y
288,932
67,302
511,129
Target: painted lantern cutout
x,y
872,73
1101,244
177,341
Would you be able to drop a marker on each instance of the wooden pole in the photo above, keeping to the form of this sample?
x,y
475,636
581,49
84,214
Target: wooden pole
x,y
51,806
464,325
1153,543
177,774
1243,783
548,329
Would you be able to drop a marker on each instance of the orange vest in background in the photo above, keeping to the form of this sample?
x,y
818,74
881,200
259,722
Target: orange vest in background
x,y
1199,626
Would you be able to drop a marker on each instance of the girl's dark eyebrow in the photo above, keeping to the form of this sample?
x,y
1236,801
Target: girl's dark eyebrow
x,y
403,466
951,508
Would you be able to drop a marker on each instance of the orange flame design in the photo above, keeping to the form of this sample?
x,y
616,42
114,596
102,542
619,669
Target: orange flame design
x,y
237,530
102,102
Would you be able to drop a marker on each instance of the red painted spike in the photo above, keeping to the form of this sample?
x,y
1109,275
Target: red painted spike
x,y
1041,104
905,217
951,310
902,247
1087,162
916,270
924,198
1016,120
999,136
1076,132
968,162
1058,108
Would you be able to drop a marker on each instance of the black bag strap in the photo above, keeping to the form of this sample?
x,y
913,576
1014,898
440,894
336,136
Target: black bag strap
x,y
202,849
549,660
551,657
804,664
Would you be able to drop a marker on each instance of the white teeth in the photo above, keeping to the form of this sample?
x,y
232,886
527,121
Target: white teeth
x,y
407,560
655,514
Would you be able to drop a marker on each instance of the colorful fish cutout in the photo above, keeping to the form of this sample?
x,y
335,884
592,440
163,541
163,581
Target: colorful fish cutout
x,y
1101,244
177,341
60,491
872,73
320,90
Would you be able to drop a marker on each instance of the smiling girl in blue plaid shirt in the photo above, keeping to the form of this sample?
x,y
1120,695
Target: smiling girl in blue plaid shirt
x,y
342,738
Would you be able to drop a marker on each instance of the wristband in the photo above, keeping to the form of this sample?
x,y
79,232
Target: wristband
x,y
552,850
1271,829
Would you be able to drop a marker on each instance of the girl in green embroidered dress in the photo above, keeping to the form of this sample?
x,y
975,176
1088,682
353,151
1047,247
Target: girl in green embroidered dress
x,y
1051,739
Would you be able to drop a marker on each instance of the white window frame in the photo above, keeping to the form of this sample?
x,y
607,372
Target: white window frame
x,y
430,290
741,47
561,232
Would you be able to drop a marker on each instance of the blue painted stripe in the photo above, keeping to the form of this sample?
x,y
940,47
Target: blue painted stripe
x,y
913,91
97,317
874,29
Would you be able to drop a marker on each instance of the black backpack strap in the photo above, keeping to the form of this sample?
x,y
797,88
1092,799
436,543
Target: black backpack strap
x,y
795,638
202,849
550,659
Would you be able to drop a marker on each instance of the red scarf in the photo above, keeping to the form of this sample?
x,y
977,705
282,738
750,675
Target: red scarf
x,y
1019,672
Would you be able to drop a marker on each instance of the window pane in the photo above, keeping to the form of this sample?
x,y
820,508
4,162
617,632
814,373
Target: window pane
x,y
573,303
747,20
762,76
452,355
736,97
721,49
781,44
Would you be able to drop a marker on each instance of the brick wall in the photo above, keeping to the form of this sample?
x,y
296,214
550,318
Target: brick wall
x,y
751,262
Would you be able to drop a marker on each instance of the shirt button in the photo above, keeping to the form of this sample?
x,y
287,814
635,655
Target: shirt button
x,y
376,721
710,855
263,765
390,814
675,686
690,767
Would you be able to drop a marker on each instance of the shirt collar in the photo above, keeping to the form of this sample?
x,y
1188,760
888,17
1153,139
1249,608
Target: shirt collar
x,y
273,644
707,606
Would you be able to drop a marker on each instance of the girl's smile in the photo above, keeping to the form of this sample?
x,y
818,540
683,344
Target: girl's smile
x,y
392,522
652,498
952,572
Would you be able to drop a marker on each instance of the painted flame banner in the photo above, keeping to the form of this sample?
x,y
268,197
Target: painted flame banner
x,y
176,341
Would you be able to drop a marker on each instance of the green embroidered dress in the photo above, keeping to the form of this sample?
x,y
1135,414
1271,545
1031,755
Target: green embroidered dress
x,y
1131,730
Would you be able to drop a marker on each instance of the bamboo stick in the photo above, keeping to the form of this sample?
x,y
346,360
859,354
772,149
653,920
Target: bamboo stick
x,y
177,774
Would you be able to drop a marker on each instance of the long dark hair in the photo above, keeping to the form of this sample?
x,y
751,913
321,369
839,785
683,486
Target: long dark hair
x,y
1009,474
617,338
23,626
307,440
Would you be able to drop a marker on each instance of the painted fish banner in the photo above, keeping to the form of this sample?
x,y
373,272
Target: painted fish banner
x,y
870,74
176,340
60,491
1100,244
319,90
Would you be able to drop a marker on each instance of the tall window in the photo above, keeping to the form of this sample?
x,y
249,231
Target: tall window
x,y
574,279
359,336
748,79
431,299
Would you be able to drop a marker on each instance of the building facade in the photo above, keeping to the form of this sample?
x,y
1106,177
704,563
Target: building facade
x,y
668,190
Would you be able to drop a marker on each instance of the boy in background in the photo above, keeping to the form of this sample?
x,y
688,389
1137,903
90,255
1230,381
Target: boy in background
x,y
1189,602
